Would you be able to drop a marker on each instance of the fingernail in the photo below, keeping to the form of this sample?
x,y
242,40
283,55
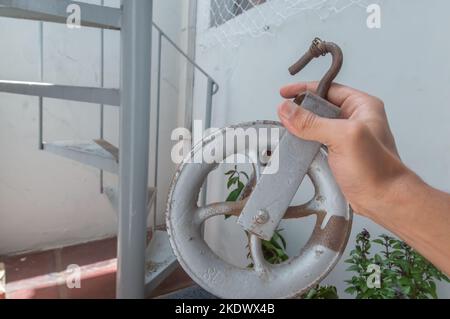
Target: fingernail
x,y
287,109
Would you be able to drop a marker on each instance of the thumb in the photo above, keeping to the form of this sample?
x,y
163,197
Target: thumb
x,y
307,125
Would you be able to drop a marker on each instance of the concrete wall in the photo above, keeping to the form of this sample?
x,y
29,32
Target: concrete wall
x,y
406,63
48,201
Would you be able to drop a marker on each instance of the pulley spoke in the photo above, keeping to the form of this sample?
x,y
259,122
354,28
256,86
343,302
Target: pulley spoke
x,y
217,209
305,210
259,263
235,208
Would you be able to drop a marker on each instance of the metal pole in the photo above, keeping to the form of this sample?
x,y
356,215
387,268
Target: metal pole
x,y
134,146
190,68
210,91
102,84
41,76
158,109
209,100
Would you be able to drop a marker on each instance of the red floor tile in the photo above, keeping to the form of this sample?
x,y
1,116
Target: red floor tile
x,y
86,254
28,265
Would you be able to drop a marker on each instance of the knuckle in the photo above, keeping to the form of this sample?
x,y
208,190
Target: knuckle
x,y
307,121
378,103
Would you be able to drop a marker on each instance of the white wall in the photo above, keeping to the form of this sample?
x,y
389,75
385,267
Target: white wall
x,y
406,63
46,200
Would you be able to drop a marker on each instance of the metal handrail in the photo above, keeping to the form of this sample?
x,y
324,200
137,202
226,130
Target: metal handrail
x,y
211,89
199,68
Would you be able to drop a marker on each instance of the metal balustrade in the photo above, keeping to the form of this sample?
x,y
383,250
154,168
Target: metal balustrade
x,y
140,268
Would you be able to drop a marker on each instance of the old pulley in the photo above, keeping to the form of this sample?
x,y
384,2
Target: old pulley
x,y
265,201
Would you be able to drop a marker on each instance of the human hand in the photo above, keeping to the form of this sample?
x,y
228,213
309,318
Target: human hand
x,y
365,162
362,151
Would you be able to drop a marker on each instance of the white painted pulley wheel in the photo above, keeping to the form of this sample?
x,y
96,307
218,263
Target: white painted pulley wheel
x,y
290,279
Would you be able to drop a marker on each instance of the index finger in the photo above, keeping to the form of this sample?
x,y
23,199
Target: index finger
x,y
337,94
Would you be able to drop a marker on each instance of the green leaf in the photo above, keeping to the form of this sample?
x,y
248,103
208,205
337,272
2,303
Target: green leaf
x,y
310,294
283,241
378,259
234,195
354,268
326,292
232,181
349,261
274,242
245,174
432,289
278,238
406,290
396,254
378,241
268,245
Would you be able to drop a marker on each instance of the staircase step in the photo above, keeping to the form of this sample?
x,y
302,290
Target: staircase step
x,y
160,260
65,92
56,11
89,153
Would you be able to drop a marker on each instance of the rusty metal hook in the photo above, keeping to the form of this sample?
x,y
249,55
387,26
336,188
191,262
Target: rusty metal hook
x,y
317,49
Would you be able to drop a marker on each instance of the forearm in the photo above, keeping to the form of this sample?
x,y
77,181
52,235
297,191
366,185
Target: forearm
x,y
420,215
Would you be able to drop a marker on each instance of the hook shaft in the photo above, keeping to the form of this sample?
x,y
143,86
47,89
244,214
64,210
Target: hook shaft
x,y
317,49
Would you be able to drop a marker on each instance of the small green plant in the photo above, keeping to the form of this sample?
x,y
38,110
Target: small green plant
x,y
274,250
403,273
322,292
235,184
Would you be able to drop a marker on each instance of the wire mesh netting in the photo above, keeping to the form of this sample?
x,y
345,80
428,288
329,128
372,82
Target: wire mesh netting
x,y
229,20
224,10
